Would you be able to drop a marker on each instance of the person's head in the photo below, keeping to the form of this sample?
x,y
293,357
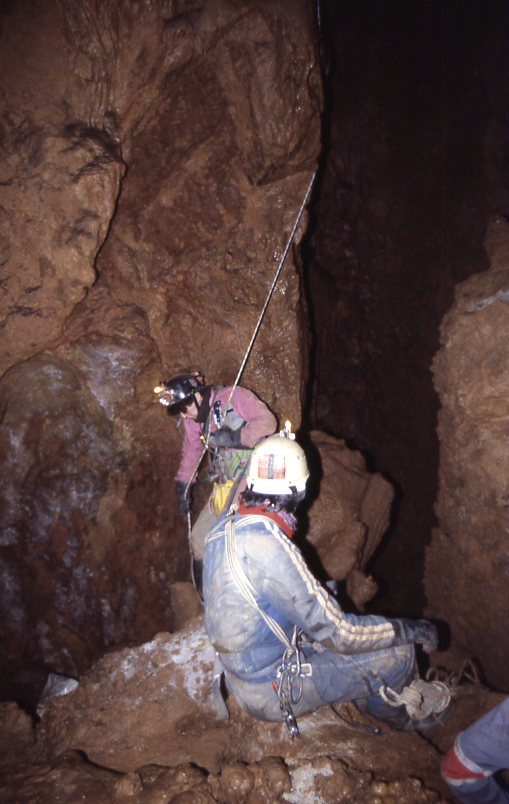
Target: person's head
x,y
182,394
277,472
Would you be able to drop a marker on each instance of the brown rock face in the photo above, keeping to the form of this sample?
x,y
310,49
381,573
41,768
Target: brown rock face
x,y
349,516
141,727
467,572
154,158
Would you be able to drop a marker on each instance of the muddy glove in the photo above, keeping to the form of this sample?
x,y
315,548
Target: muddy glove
x,y
226,437
421,631
183,497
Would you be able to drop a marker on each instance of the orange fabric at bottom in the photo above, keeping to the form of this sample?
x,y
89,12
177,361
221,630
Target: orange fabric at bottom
x,y
453,768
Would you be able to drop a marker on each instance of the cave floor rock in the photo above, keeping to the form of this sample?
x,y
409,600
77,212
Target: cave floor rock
x,y
140,727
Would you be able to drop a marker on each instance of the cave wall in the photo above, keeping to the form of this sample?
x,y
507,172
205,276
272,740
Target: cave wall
x,y
467,566
154,158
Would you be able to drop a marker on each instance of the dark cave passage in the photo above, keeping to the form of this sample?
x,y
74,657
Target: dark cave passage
x,y
414,168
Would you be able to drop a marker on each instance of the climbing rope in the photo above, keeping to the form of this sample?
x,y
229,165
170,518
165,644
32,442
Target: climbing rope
x,y
248,351
276,277
421,698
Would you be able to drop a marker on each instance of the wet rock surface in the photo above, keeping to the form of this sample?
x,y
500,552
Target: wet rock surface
x,y
154,156
82,544
467,576
140,727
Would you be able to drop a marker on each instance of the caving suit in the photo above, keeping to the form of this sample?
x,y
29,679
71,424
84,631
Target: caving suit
x,y
245,410
350,656
479,751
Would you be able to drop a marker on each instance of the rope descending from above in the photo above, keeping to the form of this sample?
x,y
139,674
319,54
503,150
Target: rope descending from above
x,y
248,351
290,240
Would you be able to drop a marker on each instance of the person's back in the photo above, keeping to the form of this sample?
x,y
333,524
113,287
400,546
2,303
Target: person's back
x,y
235,626
261,602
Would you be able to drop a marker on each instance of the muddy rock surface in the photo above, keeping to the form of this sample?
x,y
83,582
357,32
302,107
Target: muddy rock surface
x,y
349,516
154,157
140,727
467,573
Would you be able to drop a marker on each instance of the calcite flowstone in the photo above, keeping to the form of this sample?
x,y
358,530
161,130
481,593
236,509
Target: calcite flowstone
x,y
467,564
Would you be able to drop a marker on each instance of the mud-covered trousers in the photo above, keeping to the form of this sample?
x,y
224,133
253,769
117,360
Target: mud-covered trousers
x,y
335,678
478,752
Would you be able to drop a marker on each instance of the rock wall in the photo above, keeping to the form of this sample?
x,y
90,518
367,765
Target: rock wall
x,y
467,570
349,513
154,158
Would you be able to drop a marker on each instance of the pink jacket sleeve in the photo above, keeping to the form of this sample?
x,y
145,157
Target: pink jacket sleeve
x,y
192,448
260,422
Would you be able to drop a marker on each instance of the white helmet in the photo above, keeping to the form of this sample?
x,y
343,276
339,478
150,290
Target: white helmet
x,y
278,465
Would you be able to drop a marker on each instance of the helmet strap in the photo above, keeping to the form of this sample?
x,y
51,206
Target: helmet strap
x,y
204,406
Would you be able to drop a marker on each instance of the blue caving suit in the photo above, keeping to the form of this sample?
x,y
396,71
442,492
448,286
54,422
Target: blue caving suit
x,y
478,752
351,656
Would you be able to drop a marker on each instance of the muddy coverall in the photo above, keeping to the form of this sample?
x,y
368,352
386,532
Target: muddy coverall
x,y
351,657
478,752
245,411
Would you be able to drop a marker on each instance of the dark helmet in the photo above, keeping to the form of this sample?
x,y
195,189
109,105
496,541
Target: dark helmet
x,y
179,389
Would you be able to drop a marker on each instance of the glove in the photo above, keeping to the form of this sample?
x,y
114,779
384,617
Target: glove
x,y
183,498
226,437
421,631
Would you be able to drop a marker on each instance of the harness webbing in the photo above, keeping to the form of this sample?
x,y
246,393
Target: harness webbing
x,y
243,582
291,669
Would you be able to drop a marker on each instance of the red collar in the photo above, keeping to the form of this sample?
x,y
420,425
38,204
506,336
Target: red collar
x,y
260,510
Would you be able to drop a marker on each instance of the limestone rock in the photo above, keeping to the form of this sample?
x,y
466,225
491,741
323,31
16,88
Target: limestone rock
x,y
154,158
349,516
84,542
148,711
140,726
16,728
467,571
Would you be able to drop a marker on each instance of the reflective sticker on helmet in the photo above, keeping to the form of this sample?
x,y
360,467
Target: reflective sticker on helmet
x,y
271,467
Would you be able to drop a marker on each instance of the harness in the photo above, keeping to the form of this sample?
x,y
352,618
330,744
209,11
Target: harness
x,y
288,685
224,464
